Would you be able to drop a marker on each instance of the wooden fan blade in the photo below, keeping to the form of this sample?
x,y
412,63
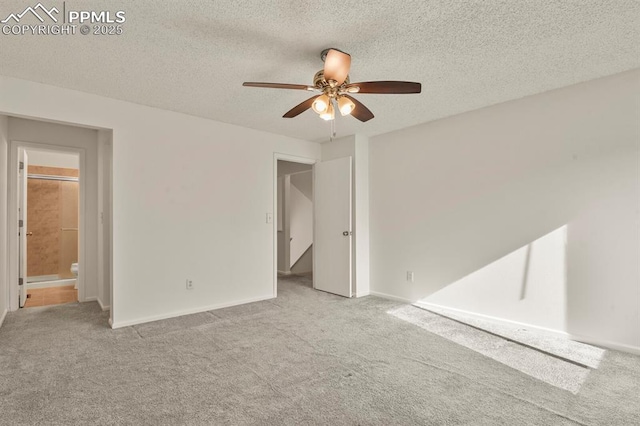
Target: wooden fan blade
x,y
277,85
389,87
336,66
360,112
300,108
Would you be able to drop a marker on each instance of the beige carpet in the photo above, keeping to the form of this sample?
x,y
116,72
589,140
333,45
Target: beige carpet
x,y
304,358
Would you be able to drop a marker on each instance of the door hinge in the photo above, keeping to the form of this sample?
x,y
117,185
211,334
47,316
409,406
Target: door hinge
x,y
20,223
22,165
20,281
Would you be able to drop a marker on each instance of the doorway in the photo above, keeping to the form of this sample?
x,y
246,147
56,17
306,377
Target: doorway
x,y
294,220
297,263
49,227
93,149
46,198
323,228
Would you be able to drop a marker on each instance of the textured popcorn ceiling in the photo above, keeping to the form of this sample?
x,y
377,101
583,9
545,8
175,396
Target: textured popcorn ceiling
x,y
192,56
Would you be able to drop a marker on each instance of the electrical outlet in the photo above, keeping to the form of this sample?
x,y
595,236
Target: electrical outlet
x,y
189,284
410,276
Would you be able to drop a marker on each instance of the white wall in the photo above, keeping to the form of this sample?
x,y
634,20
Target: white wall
x,y
304,182
300,216
105,138
284,236
361,204
4,149
283,248
450,197
53,159
290,167
527,286
280,204
304,265
175,216
356,146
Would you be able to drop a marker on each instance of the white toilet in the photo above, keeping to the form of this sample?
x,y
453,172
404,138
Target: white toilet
x,y
74,271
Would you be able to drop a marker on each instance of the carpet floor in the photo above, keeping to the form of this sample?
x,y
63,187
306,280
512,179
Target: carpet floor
x,y
306,357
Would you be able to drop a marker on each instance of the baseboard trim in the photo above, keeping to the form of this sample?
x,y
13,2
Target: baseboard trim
x,y
284,272
428,305
363,294
3,316
635,350
120,324
579,338
90,299
390,297
102,305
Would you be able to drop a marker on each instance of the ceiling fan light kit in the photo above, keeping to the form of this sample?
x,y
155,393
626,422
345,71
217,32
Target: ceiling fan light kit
x,y
345,105
334,86
321,104
329,113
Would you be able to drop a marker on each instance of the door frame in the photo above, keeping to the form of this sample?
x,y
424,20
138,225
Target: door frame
x,y
23,183
274,222
12,215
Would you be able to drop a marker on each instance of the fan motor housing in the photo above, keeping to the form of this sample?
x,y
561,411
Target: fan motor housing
x,y
320,82
325,52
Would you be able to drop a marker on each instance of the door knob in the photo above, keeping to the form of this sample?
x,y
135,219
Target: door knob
x,y
29,234
346,233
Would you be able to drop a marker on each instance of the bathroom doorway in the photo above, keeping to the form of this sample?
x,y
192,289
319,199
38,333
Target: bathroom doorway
x,y
294,222
50,226
92,148
46,223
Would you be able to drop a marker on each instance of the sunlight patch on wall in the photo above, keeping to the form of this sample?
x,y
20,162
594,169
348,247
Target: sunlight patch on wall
x,y
527,285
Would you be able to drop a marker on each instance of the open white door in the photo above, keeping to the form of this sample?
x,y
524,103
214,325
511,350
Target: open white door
x,y
22,225
332,239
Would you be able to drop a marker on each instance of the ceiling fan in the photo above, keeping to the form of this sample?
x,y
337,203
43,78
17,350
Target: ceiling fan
x,y
332,82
